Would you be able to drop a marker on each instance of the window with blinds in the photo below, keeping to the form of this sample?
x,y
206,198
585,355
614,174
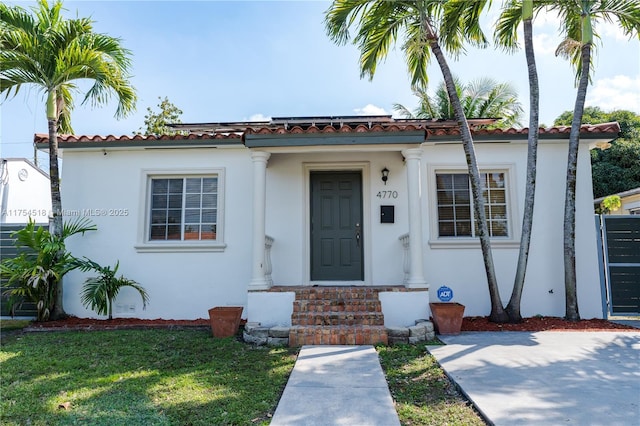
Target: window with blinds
x,y
455,204
184,208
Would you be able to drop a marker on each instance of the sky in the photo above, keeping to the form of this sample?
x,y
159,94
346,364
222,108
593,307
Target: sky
x,y
250,60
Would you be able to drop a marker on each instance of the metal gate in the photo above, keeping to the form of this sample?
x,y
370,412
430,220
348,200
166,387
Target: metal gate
x,y
8,250
620,242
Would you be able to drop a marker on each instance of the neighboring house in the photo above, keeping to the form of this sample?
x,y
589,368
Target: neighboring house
x,y
629,202
248,213
24,192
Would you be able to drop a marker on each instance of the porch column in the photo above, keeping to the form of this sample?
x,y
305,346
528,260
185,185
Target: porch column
x,y
258,279
416,272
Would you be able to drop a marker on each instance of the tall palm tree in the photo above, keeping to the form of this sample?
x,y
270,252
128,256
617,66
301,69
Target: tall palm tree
x,y
426,24
481,98
578,20
513,13
50,52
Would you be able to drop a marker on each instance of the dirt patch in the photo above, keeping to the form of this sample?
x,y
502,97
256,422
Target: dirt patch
x,y
543,324
74,323
468,324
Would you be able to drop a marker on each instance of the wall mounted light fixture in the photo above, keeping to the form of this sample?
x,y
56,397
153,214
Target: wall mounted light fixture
x,y
385,175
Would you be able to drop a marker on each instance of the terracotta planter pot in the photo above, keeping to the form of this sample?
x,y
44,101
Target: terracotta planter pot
x,y
447,317
225,320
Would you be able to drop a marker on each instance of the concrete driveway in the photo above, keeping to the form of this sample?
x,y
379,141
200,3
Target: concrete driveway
x,y
547,378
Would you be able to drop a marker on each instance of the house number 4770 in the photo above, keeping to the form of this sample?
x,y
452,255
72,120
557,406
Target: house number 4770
x,y
387,194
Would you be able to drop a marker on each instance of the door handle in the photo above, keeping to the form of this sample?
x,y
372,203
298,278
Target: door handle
x,y
358,234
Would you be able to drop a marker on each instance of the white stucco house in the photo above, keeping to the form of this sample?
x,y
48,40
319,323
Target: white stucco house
x,y
250,214
24,192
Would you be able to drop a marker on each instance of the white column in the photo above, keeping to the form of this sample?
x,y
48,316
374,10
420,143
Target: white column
x,y
258,279
416,271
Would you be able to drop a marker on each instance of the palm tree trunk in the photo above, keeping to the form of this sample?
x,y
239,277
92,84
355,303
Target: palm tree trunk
x,y
513,307
497,312
55,221
571,292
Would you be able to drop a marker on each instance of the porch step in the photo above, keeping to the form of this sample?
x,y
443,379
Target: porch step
x,y
337,316
337,335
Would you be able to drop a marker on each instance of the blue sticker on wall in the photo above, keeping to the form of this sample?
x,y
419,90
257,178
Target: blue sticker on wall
x,y
445,294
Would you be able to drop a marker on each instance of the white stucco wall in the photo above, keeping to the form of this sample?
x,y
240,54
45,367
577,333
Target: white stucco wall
x,y
24,192
462,269
186,284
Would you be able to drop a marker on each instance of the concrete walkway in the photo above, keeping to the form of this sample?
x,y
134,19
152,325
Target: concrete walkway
x,y
547,378
336,385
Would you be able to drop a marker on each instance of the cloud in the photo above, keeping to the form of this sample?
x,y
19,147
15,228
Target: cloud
x,y
370,109
619,92
258,117
544,44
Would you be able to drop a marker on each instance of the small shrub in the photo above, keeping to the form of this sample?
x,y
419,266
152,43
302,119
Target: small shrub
x,y
99,292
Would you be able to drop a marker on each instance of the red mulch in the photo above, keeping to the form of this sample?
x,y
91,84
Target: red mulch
x,y
543,324
468,324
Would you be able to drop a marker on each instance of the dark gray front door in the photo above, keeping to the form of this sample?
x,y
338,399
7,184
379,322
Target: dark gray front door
x,y
336,226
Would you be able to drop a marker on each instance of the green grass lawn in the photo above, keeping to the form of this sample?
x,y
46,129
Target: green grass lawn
x,y
138,377
422,393
180,377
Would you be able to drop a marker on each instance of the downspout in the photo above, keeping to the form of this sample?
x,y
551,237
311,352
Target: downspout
x,y
4,181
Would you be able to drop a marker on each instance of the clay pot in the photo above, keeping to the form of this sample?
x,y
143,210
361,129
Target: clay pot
x,y
447,317
225,320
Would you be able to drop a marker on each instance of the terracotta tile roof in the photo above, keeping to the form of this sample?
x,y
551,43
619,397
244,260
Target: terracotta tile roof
x,y
227,133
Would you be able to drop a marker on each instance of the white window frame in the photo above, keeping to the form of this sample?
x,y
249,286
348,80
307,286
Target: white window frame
x,y
513,229
146,245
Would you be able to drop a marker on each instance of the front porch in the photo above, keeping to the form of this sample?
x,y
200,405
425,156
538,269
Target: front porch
x,y
338,315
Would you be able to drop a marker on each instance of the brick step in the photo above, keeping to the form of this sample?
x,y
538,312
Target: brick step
x,y
337,335
337,318
337,293
364,305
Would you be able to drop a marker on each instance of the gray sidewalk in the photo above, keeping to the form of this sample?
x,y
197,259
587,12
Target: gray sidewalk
x,y
336,385
547,378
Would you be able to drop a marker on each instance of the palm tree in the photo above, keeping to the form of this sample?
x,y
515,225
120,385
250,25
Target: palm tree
x,y
42,261
481,98
425,25
52,53
578,19
506,36
98,293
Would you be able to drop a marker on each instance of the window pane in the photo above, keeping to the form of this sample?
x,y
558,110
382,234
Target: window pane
x,y
173,232
209,185
192,232
175,186
463,197
192,200
174,216
159,201
497,196
209,216
209,201
463,229
445,197
446,229
499,228
175,201
192,216
194,185
159,186
496,180
444,181
498,212
461,181
463,212
445,213
208,232
158,216
158,232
